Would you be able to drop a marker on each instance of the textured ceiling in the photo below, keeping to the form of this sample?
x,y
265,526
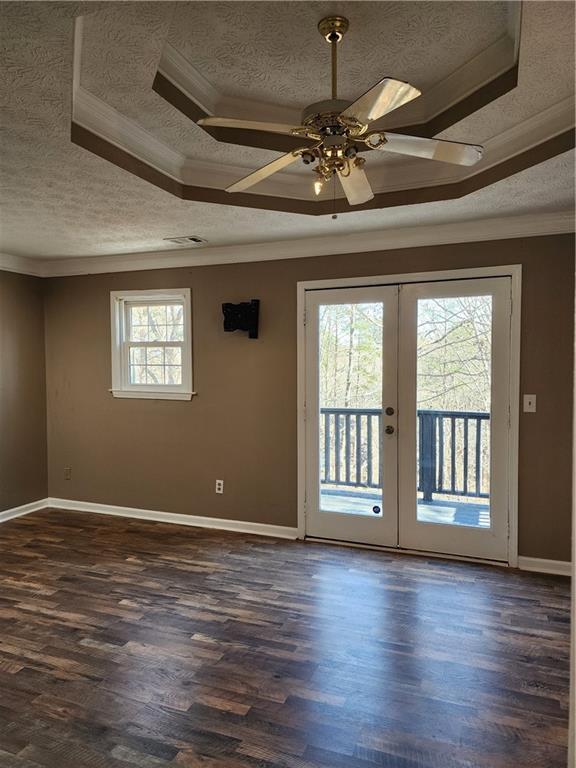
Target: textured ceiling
x,y
118,213
59,200
272,51
545,77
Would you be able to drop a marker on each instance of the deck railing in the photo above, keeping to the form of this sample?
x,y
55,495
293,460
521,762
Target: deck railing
x,y
453,450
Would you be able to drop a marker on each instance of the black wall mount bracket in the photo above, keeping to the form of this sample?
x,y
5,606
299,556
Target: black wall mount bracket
x,y
242,317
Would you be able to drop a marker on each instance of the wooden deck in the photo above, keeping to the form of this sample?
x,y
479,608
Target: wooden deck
x,y
126,644
446,511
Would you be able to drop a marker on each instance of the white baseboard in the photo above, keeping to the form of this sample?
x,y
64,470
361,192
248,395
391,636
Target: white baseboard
x,y
24,509
239,526
555,567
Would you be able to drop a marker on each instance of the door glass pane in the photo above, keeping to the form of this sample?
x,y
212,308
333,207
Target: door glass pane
x,y
350,396
454,359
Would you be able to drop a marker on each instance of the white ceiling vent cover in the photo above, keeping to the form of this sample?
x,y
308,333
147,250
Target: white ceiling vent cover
x,y
192,241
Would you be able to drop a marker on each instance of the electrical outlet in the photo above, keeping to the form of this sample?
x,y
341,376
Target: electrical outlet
x,y
529,403
219,486
67,473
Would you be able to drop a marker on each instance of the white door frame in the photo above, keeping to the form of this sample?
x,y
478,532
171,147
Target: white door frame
x,y
514,271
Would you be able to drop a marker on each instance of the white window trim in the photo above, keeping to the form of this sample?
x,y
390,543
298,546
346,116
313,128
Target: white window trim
x,y
120,384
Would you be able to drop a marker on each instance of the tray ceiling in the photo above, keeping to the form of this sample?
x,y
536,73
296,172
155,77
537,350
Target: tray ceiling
x,y
59,199
266,60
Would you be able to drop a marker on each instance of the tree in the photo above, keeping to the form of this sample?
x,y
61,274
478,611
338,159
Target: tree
x,y
454,340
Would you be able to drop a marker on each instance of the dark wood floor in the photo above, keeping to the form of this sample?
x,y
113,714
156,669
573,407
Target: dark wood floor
x,y
126,644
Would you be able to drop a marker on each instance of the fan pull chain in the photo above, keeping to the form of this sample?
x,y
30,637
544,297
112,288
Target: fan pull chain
x,y
334,214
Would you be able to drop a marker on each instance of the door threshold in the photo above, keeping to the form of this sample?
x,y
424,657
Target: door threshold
x,y
402,551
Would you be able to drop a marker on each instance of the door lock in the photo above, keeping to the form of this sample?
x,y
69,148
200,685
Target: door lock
x,y
389,429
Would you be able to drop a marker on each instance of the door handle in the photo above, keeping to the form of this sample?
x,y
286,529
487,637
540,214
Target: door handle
x,y
389,429
389,411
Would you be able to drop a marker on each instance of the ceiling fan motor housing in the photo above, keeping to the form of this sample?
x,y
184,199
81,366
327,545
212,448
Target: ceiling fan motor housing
x,y
323,115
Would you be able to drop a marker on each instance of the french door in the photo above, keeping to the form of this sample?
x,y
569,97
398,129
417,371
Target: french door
x,y
352,384
407,416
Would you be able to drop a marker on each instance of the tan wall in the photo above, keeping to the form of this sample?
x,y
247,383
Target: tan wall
x,y
23,463
242,425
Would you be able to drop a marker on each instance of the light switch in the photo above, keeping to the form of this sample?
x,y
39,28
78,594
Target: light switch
x,y
529,403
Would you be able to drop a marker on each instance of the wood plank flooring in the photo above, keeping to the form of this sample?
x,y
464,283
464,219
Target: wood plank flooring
x,y
126,644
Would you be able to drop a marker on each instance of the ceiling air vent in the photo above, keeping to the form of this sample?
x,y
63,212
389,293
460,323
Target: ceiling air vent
x,y
192,241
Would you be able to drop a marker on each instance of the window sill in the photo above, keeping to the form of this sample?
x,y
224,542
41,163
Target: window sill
x,y
128,393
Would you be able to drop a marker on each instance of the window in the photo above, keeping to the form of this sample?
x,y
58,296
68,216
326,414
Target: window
x,y
151,344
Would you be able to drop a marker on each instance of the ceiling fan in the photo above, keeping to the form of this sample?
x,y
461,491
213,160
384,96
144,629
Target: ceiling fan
x,y
338,128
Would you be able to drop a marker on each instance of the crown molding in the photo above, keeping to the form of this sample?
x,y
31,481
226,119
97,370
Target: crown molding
x,y
378,240
100,118
181,73
458,85
22,265
93,114
526,134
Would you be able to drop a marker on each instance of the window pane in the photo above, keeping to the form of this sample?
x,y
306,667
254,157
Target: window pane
x,y
175,333
137,374
156,332
175,314
157,315
173,356
138,315
350,396
155,374
157,322
155,365
137,355
155,356
139,333
173,374
454,401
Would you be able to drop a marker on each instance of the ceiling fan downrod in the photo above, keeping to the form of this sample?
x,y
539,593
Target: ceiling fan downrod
x,y
333,29
336,128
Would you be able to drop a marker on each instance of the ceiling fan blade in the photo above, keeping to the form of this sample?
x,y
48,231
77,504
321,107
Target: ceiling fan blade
x,y
384,97
356,185
264,172
432,149
249,125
